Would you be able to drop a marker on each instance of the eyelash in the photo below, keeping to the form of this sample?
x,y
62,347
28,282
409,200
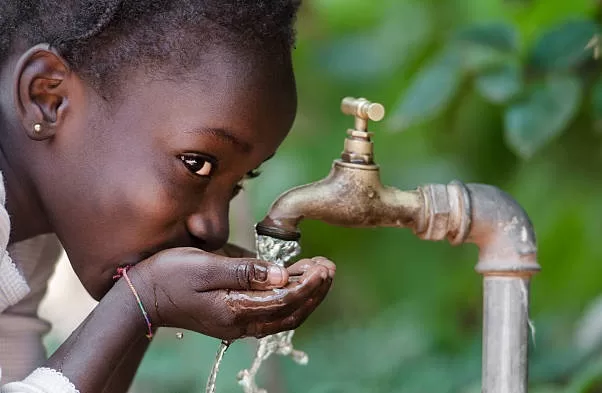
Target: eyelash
x,y
250,175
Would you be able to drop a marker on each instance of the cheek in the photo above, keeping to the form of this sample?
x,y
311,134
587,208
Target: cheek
x,y
127,207
145,201
142,206
128,218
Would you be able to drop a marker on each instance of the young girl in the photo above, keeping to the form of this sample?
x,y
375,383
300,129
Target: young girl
x,y
126,127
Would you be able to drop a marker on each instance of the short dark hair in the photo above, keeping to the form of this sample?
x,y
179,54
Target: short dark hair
x,y
99,37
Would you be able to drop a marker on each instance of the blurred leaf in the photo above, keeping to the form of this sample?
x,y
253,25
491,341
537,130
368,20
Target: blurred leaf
x,y
588,333
596,105
498,36
486,45
500,84
376,53
543,114
548,389
564,45
431,90
477,58
534,16
588,379
356,58
346,14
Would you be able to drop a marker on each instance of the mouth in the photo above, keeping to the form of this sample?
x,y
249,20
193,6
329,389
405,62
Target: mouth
x,y
135,258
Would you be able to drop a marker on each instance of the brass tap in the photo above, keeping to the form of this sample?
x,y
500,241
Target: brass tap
x,y
352,194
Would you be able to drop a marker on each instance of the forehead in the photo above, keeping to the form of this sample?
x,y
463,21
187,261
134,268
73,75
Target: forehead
x,y
244,93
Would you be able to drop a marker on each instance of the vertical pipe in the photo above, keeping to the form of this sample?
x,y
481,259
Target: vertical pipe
x,y
505,333
491,219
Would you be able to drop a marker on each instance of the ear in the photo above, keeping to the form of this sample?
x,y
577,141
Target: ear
x,y
43,85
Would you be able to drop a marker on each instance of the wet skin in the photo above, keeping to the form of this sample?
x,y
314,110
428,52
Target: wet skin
x,y
146,179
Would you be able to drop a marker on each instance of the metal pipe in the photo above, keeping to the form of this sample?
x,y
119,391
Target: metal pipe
x,y
507,260
353,196
505,334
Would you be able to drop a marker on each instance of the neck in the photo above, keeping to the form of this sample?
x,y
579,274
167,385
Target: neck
x,y
22,203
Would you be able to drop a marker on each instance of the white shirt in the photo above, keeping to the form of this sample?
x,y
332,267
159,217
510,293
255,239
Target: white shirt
x,y
22,286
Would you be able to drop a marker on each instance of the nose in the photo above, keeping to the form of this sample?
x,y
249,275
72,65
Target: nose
x,y
210,227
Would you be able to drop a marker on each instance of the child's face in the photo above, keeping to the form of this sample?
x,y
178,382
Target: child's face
x,y
159,170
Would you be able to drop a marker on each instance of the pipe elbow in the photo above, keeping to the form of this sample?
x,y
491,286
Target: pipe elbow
x,y
486,216
502,230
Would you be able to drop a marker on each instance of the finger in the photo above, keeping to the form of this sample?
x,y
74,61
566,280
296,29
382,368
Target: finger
x,y
303,265
282,301
300,267
263,325
211,272
296,318
328,264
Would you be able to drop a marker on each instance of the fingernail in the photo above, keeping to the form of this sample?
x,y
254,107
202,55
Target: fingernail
x,y
275,275
261,273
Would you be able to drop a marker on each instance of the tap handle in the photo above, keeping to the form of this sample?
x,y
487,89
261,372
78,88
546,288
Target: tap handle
x,y
358,146
363,109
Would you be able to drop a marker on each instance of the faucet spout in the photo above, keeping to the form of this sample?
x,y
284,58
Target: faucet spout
x,y
352,195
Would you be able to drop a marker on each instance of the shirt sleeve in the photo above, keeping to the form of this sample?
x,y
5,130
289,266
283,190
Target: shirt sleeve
x,y
13,287
12,284
41,380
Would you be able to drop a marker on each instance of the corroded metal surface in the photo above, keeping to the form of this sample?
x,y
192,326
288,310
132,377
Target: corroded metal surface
x,y
352,196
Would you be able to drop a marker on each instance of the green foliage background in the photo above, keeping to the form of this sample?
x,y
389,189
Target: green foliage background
x,y
491,91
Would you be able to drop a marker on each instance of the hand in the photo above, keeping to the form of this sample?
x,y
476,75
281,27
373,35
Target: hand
x,y
229,298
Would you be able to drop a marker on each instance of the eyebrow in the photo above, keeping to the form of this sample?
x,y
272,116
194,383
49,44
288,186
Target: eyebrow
x,y
227,136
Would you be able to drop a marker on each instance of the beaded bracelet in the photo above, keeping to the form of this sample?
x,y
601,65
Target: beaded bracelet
x,y
122,272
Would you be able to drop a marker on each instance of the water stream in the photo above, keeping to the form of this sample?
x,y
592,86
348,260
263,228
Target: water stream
x,y
279,252
210,388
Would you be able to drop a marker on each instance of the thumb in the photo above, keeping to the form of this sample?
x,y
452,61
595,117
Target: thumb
x,y
243,274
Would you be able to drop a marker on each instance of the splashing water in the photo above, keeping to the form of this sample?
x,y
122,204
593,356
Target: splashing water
x,y
279,252
210,388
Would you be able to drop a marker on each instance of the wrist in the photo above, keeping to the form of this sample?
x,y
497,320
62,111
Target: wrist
x,y
112,327
134,303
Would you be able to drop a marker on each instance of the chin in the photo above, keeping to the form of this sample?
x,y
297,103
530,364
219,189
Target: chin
x,y
98,279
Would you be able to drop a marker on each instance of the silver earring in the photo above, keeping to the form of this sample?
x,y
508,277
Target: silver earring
x,y
37,128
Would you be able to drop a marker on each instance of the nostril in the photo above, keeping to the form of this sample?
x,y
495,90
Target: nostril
x,y
208,234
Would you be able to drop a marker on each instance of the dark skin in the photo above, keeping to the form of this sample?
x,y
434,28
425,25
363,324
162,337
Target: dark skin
x,y
146,180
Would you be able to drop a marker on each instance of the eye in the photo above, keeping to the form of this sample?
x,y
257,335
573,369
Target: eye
x,y
199,165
